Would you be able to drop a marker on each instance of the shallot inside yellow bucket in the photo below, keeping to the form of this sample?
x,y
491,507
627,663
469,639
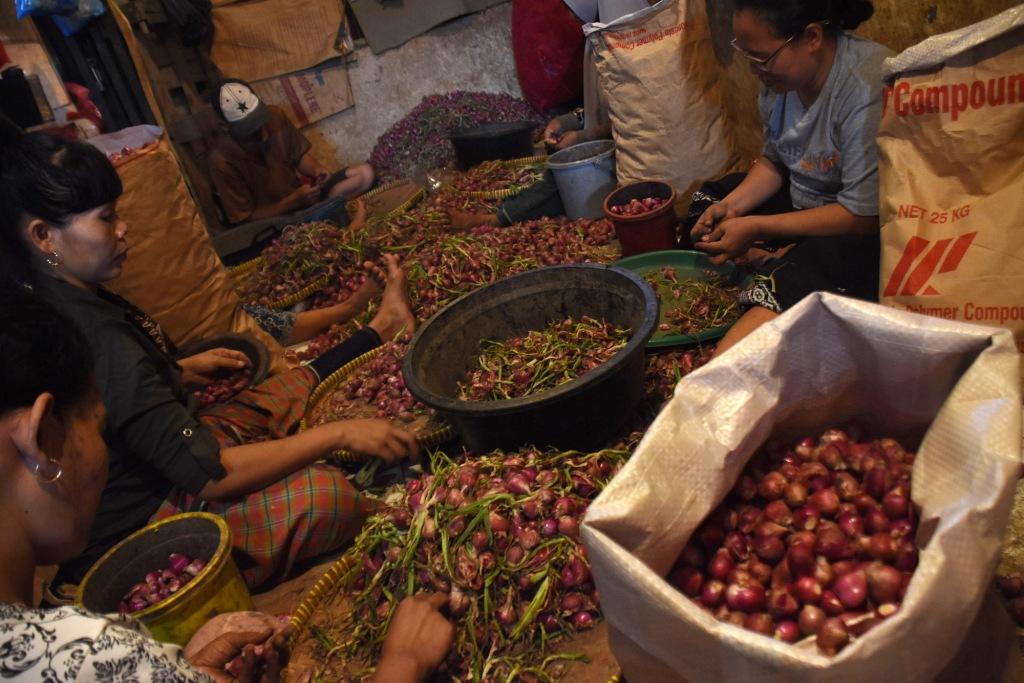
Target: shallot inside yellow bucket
x,y
217,589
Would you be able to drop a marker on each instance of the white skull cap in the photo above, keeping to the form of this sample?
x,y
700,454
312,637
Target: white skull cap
x,y
243,110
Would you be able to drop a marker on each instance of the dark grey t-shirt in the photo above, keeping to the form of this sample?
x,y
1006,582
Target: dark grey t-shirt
x,y
154,443
830,148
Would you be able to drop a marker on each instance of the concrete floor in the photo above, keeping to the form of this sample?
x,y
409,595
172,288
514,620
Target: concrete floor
x,y
286,596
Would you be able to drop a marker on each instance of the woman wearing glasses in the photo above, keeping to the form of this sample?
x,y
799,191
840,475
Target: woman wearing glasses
x,y
816,183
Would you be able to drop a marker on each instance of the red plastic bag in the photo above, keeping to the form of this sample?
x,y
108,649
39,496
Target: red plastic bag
x,y
547,44
87,109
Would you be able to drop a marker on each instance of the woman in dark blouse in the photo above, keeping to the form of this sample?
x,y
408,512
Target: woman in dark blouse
x,y
60,235
53,464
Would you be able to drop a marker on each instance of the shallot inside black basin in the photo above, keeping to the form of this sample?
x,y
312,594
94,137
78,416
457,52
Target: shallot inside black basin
x,y
581,413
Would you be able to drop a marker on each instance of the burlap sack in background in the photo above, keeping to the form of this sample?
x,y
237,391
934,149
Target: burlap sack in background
x,y
951,167
947,389
661,81
172,272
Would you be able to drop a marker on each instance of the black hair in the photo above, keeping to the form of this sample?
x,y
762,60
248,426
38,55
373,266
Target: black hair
x,y
41,350
790,17
47,177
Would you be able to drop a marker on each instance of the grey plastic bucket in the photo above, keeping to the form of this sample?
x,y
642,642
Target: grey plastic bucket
x,y
585,174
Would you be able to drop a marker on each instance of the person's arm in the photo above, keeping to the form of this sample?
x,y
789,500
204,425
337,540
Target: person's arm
x,y
239,204
254,466
762,181
243,657
829,219
557,136
115,643
733,236
311,323
311,167
149,420
560,126
300,198
258,654
200,369
417,640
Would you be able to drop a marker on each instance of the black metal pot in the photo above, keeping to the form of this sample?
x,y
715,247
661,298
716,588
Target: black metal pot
x,y
581,413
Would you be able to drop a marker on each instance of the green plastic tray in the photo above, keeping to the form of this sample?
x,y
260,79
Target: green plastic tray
x,y
689,265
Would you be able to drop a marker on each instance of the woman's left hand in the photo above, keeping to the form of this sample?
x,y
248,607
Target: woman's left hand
x,y
201,368
729,239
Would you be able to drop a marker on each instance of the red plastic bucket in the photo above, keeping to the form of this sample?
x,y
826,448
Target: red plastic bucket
x,y
651,231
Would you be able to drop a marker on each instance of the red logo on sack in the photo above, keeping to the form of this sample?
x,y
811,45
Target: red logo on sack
x,y
938,255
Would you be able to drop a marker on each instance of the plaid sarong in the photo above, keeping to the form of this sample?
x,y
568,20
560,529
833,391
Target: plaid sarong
x,y
306,514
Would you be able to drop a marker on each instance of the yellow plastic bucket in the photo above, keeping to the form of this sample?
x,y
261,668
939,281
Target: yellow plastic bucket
x,y
217,589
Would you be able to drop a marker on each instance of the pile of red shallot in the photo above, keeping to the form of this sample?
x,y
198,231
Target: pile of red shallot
x,y
1012,588
493,176
664,370
638,207
815,540
160,585
344,282
499,534
541,359
690,306
451,265
224,388
304,253
375,390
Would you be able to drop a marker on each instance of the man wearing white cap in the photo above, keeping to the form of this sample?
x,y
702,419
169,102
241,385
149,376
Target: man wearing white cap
x,y
258,165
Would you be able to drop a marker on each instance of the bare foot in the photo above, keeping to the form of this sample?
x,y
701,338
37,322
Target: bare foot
x,y
371,288
359,214
395,315
375,276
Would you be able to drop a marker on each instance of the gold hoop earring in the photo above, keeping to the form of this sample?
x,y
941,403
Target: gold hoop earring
x,y
54,259
53,471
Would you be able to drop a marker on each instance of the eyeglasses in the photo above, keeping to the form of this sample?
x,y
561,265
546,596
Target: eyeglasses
x,y
762,62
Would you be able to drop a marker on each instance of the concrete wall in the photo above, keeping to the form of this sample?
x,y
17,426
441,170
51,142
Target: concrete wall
x,y
475,53
470,53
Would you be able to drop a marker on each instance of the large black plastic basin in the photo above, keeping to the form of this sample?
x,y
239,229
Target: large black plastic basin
x,y
582,413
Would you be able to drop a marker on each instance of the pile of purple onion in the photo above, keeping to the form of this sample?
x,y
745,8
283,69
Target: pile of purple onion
x,y
638,207
304,253
222,389
664,370
1012,588
162,584
419,140
815,540
500,534
541,359
498,175
375,390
